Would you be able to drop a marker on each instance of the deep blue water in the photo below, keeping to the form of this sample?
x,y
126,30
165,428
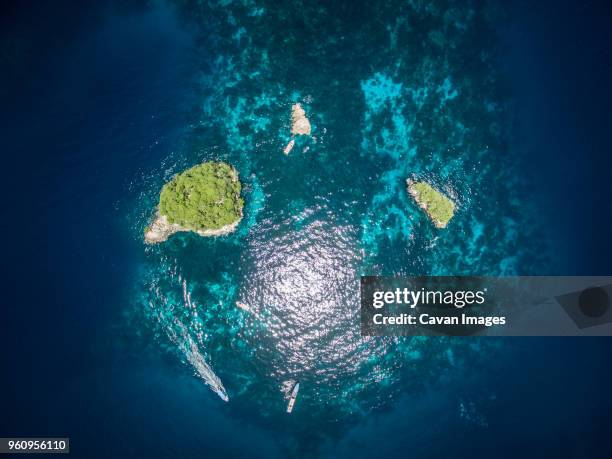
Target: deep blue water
x,y
506,109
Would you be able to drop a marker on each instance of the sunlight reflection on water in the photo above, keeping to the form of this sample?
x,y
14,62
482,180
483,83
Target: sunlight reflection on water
x,y
303,283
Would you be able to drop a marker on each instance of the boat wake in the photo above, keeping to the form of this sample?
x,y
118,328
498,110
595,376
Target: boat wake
x,y
190,350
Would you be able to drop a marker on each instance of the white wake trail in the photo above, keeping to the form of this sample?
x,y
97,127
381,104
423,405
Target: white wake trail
x,y
193,355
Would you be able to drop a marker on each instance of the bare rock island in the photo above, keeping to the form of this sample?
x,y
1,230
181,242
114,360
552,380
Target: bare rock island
x,y
300,125
204,199
439,208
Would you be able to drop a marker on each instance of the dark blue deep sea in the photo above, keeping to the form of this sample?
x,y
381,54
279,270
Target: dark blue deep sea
x,y
505,107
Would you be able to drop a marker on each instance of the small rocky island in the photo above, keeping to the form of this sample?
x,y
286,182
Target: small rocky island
x,y
436,205
300,125
204,199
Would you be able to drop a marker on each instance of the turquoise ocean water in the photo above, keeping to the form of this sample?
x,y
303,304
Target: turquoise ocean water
x,y
413,92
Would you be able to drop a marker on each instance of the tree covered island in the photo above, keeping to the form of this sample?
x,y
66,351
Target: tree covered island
x,y
204,199
436,205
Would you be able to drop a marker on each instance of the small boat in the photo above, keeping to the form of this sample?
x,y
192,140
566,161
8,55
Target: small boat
x,y
289,147
247,308
293,396
220,391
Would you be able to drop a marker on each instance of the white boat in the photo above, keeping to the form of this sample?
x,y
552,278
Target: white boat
x,y
293,396
289,147
220,391
247,308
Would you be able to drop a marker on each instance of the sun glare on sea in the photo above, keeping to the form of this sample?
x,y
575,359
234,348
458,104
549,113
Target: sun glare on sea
x,y
303,283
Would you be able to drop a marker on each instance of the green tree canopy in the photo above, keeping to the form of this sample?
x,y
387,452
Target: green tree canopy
x,y
438,206
205,197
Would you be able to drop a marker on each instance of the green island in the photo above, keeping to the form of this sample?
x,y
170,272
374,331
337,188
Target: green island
x,y
204,199
436,205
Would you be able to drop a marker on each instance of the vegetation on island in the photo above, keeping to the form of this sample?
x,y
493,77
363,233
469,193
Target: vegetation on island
x,y
439,208
205,197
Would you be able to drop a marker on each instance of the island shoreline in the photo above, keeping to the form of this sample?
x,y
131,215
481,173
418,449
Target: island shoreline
x,y
161,229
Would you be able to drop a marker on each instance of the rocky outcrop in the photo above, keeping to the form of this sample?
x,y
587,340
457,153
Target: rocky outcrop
x,y
161,229
299,122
